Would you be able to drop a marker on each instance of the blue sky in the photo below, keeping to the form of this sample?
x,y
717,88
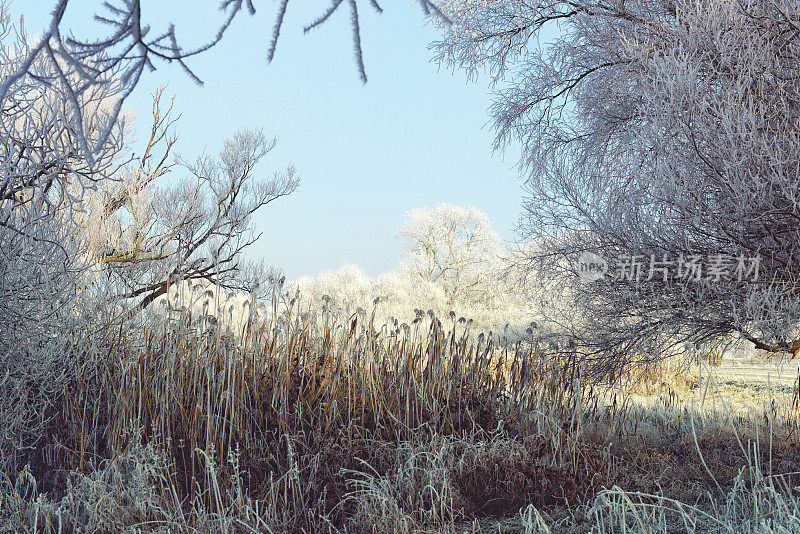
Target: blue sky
x,y
413,136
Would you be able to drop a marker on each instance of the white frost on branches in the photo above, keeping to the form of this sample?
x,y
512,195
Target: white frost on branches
x,y
653,127
457,249
454,265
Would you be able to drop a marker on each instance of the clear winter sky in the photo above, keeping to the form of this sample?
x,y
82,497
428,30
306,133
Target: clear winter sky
x,y
414,135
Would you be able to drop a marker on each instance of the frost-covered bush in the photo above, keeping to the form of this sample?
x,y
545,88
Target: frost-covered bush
x,y
401,295
349,288
52,405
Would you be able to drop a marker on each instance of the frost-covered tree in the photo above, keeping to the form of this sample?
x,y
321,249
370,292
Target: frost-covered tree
x,y
454,265
147,238
661,129
62,98
457,249
44,173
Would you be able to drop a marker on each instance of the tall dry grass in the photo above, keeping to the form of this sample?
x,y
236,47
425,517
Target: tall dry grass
x,y
292,424
329,425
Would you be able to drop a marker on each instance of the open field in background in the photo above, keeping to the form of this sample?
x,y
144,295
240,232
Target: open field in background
x,y
351,425
756,372
739,382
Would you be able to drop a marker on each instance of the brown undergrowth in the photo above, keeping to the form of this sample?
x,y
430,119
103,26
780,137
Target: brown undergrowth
x,y
302,426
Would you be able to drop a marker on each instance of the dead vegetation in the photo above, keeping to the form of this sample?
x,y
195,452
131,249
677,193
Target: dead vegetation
x,y
343,426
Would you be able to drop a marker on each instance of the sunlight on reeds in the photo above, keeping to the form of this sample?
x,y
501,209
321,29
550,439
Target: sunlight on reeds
x,y
279,423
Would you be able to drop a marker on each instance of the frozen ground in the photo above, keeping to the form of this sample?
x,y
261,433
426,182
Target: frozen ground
x,y
755,371
743,382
